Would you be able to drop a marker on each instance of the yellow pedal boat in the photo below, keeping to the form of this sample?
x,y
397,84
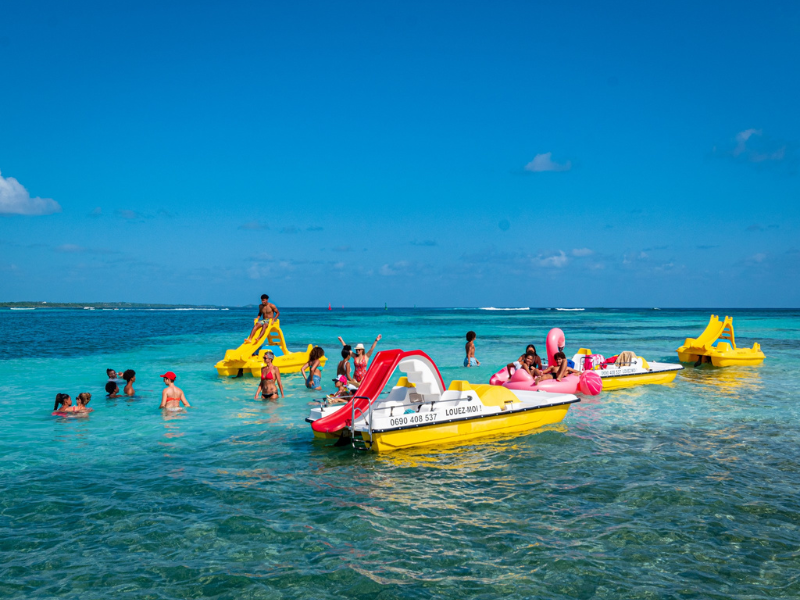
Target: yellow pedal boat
x,y
249,357
718,343
420,412
628,370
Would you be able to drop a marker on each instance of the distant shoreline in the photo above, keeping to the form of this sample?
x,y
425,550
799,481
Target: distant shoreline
x,y
100,305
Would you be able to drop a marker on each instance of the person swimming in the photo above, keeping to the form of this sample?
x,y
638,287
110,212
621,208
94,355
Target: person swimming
x,y
112,389
63,404
83,399
172,396
314,376
130,377
270,379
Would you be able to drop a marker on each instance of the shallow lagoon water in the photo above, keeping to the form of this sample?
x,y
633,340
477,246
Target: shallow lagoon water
x,y
680,491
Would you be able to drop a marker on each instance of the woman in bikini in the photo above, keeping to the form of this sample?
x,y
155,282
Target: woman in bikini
x,y
270,379
172,396
361,360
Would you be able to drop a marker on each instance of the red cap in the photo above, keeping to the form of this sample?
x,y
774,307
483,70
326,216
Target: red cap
x,y
169,375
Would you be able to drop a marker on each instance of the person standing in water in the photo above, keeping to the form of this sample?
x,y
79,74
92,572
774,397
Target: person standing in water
x,y
130,377
270,379
267,314
314,376
469,359
172,396
360,359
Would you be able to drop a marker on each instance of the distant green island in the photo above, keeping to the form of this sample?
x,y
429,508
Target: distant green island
x,y
83,305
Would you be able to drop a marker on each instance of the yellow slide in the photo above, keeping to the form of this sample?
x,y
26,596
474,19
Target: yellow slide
x,y
724,353
249,357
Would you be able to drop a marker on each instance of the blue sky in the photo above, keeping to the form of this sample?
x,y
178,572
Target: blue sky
x,y
437,154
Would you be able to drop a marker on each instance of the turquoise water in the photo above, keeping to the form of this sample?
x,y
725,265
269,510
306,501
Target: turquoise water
x,y
680,491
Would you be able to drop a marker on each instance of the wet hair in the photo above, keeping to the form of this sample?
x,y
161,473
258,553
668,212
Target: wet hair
x,y
128,375
528,349
471,335
264,297
346,352
83,398
558,355
315,354
110,371
111,387
60,399
269,354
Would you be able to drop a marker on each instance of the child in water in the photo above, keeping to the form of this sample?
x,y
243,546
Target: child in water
x,y
469,359
112,389
314,376
129,376
63,403
560,370
172,396
83,400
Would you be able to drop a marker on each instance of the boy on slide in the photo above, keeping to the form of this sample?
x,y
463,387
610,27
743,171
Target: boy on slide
x,y
267,313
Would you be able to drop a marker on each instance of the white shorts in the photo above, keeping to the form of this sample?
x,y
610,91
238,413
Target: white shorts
x,y
517,364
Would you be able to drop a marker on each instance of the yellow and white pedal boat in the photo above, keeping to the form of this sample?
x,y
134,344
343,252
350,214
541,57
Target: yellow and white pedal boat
x,y
419,411
717,345
627,370
249,357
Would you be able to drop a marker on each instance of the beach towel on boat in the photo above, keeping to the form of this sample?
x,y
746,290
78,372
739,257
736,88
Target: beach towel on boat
x,y
625,359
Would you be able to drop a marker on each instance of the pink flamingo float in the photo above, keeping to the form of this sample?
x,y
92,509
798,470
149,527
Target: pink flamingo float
x,y
588,382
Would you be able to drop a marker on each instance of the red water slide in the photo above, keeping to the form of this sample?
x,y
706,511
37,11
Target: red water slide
x,y
378,375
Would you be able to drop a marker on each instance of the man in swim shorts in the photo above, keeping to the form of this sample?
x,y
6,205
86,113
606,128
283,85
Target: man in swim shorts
x,y
267,314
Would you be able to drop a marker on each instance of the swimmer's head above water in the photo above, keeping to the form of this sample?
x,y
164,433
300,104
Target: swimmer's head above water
x,y
169,377
129,375
62,400
112,374
83,399
111,388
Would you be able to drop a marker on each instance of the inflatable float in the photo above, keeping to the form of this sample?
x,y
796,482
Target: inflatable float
x,y
588,383
718,343
249,357
419,411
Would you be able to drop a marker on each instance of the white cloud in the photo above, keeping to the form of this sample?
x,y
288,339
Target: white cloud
x,y
544,162
15,200
752,145
582,252
760,257
398,267
741,140
554,260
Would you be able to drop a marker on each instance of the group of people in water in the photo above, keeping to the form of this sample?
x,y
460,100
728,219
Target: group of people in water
x,y
171,397
270,387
